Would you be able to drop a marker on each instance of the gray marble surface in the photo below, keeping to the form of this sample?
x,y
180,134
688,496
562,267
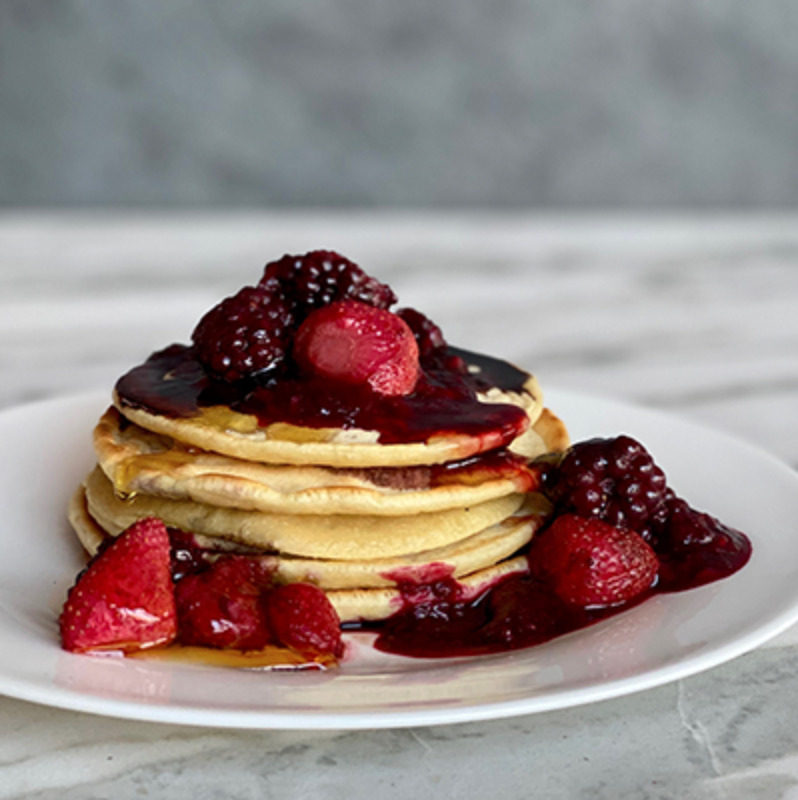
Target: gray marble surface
x,y
693,316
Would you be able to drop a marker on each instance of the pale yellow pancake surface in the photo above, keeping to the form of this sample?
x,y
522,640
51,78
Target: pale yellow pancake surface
x,y
477,552
139,461
319,536
354,604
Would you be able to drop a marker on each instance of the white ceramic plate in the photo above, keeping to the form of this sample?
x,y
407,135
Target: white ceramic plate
x,y
46,451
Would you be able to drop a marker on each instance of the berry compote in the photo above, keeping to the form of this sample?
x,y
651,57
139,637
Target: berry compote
x,y
174,382
612,480
269,351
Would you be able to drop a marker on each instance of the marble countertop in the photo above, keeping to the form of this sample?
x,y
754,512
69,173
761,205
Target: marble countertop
x,y
696,317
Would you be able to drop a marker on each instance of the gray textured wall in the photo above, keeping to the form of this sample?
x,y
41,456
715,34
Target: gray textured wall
x,y
543,103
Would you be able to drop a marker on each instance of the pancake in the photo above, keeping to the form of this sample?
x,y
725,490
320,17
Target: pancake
x,y
364,591
221,430
163,396
375,471
92,535
475,553
372,605
479,551
552,432
139,461
87,529
314,536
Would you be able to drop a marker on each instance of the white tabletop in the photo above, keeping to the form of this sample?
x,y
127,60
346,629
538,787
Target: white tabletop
x,y
698,317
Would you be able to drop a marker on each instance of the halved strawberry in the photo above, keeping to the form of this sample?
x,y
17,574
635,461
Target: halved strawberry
x,y
588,562
356,343
223,605
124,600
302,618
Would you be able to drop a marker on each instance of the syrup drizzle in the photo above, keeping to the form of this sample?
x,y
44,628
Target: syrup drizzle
x,y
270,657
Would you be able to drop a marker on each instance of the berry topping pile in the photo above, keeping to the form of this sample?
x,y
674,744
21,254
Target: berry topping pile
x,y
150,587
316,345
251,334
616,482
616,534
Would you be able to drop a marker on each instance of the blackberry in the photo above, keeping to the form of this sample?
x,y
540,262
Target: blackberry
x,y
251,333
428,335
321,277
244,335
614,480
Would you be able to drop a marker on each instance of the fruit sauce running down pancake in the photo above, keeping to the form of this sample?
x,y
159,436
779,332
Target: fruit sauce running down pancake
x,y
363,606
465,404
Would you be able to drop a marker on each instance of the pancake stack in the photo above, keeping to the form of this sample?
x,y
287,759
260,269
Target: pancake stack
x,y
337,506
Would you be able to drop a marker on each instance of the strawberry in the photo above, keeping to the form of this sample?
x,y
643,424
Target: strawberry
x,y
302,618
588,562
358,344
222,606
124,600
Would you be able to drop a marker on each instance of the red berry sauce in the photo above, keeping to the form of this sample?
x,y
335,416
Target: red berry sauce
x,y
695,548
438,618
174,383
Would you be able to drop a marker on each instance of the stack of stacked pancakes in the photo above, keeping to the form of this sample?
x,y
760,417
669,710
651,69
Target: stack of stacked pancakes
x,y
356,518
340,507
